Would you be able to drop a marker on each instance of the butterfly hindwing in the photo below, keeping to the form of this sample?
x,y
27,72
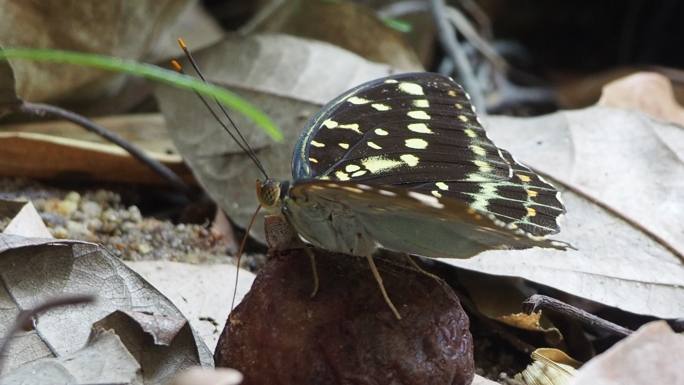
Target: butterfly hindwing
x,y
420,132
400,219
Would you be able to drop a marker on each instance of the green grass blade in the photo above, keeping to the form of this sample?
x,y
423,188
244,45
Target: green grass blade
x,y
151,72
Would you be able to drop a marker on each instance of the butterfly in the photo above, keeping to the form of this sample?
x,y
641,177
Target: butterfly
x,y
403,163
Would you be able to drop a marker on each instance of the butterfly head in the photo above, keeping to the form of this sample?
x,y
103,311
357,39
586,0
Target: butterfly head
x,y
269,192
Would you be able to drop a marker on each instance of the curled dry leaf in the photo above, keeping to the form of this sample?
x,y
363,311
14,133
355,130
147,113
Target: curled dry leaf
x,y
648,92
549,367
289,79
52,149
123,29
22,219
32,269
652,355
625,204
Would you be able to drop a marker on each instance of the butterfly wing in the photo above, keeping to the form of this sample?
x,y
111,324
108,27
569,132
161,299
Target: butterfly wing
x,y
419,132
335,215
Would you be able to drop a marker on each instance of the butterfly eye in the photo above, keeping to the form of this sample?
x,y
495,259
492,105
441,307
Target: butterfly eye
x,y
268,192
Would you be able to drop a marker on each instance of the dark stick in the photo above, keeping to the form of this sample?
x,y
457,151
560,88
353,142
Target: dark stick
x,y
542,302
22,320
43,110
453,48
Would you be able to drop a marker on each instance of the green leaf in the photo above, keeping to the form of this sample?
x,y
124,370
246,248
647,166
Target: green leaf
x,y
151,72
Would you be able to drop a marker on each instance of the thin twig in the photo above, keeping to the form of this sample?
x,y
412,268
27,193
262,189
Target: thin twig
x,y
453,48
542,302
23,319
43,110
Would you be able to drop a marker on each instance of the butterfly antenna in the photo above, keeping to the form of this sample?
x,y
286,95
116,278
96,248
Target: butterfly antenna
x,y
239,255
244,144
177,67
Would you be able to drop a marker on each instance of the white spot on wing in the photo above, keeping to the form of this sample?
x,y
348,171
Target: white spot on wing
x,y
421,128
317,144
427,200
343,145
373,145
359,173
380,132
379,163
351,126
421,103
391,81
381,107
387,193
419,114
411,88
313,160
410,159
417,143
329,123
351,168
357,100
341,175
442,186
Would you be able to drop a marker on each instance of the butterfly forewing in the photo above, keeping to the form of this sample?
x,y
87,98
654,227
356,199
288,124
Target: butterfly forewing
x,y
420,132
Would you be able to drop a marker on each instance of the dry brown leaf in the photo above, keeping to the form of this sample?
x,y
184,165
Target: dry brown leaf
x,y
119,28
33,269
54,149
346,25
652,355
648,92
624,160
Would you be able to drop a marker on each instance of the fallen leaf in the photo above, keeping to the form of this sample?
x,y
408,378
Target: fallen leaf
x,y
549,367
123,29
652,355
58,149
203,293
32,269
288,78
104,360
346,25
625,161
25,220
648,92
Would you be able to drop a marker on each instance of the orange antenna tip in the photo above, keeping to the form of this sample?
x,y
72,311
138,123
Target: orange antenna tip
x,y
176,66
181,43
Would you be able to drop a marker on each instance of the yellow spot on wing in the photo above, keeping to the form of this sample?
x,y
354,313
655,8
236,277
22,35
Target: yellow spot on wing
x,y
418,115
463,118
343,145
411,88
381,107
451,93
373,145
420,128
483,166
380,132
459,106
379,163
317,144
478,150
532,193
470,133
416,143
341,175
410,159
357,100
329,123
313,160
421,103
351,126
442,186
531,212
523,178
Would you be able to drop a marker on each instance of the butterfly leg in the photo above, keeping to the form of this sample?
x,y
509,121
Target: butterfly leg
x,y
314,270
378,278
421,270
